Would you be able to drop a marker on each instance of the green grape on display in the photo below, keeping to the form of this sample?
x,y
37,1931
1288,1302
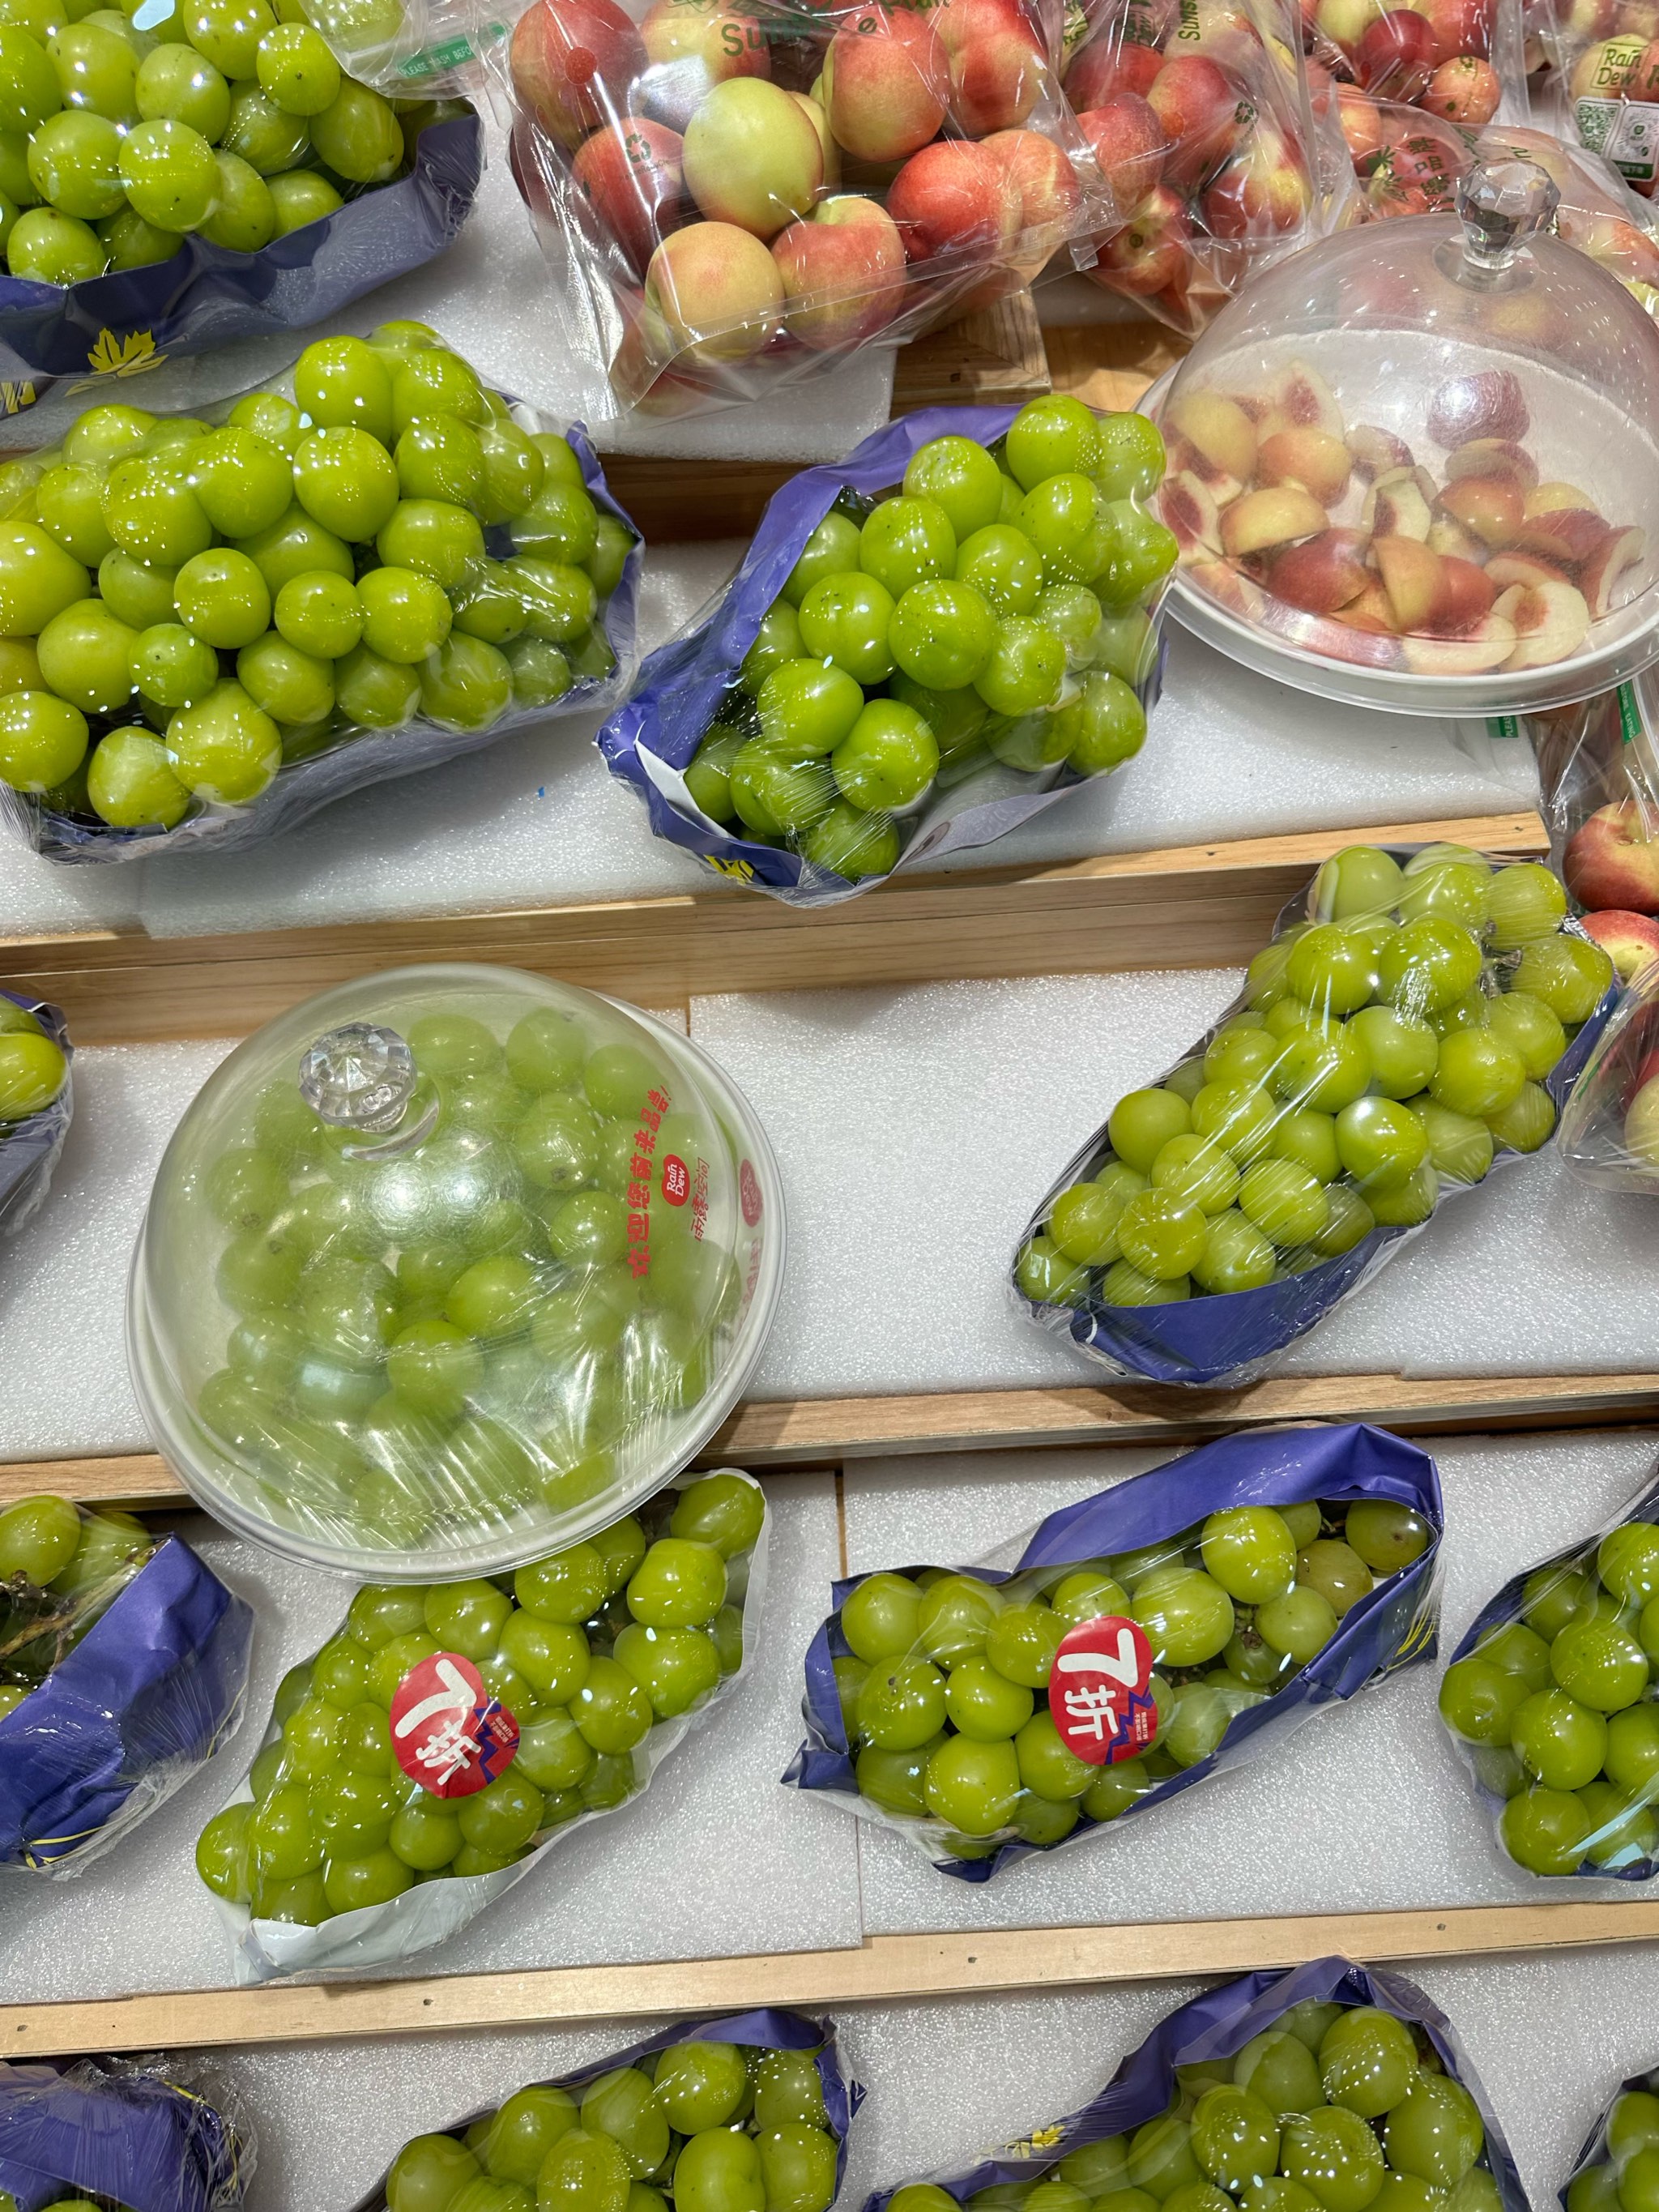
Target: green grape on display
x,y
999,1708
691,2119
35,1076
60,1568
1389,1044
1552,1699
192,609
1332,2088
450,1730
1618,2168
916,650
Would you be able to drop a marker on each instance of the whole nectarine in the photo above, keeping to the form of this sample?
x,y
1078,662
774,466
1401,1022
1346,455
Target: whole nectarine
x,y
751,156
573,62
842,273
1199,106
949,197
1129,142
631,173
887,82
718,291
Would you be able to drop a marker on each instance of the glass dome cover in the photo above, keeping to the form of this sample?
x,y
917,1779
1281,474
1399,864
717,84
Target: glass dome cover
x,y
448,1268
1414,466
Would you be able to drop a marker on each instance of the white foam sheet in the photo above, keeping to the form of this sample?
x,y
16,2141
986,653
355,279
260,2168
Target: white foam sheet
x,y
64,1277
915,1129
1366,1808
1548,2037
711,1861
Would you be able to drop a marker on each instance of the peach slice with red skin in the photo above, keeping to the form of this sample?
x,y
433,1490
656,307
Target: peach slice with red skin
x,y
1598,578
1492,457
1413,578
1475,653
1378,454
1221,487
1396,510
1550,621
1564,534
1189,512
1468,594
1489,507
1312,459
1218,429
1278,515
1230,589
1447,535
1304,399
1489,404
1321,574
1552,498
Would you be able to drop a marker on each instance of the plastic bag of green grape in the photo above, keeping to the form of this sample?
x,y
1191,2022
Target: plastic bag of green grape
x,y
1417,1020
1550,1701
748,2113
213,623
447,1737
1331,2087
1618,2168
927,644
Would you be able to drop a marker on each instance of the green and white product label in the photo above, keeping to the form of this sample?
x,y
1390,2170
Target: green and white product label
x,y
1625,132
1503,726
1629,715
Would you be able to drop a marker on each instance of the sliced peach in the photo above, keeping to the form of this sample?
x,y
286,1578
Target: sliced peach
x,y
1492,457
1371,611
1551,498
1312,459
1378,454
1467,599
1447,535
1221,487
1489,507
1476,653
1277,516
1598,580
1322,574
1231,589
1550,621
1512,567
1220,429
1190,510
1414,580
1565,534
1301,395
1396,510
1489,404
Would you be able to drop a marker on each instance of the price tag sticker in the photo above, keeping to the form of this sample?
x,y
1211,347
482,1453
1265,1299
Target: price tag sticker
x,y
448,1733
1099,1691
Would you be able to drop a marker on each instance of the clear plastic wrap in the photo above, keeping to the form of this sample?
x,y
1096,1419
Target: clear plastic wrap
x,y
1200,120
1598,771
212,625
446,1739
1415,1022
1411,467
207,293
1626,2132
1130,1647
759,2099
920,651
145,2135
122,1669
1609,1134
1329,2077
1549,1700
1463,60
449,1267
37,1101
738,197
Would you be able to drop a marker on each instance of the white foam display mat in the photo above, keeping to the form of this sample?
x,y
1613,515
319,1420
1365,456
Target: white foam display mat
x,y
1365,1808
711,1860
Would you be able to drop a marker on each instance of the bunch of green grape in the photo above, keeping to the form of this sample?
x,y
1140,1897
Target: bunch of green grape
x,y
991,611
1557,1704
228,118
1621,2174
453,1333
34,1067
1335,2108
1388,1047
945,1682
188,606
60,1569
703,2127
589,1649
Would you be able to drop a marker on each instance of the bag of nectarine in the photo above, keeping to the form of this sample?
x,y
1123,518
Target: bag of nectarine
x,y
1610,1125
1461,60
927,644
1200,118
1416,1022
737,193
1598,773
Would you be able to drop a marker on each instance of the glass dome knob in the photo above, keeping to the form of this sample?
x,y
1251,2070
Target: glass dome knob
x,y
1501,204
359,1077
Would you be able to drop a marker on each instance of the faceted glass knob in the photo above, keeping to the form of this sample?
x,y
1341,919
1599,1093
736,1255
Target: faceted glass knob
x,y
1501,204
360,1077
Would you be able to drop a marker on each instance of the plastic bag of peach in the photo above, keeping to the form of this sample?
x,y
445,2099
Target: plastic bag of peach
x,y
737,194
1200,118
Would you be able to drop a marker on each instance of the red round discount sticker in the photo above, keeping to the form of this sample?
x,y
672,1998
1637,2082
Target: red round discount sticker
x,y
1099,1691
448,1733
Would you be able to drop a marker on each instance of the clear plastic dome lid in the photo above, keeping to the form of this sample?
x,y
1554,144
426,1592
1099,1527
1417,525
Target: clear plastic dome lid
x,y
1416,465
448,1268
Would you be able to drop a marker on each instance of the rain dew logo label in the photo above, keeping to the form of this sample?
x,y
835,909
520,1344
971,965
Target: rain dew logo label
x,y
675,1180
449,1734
1099,1691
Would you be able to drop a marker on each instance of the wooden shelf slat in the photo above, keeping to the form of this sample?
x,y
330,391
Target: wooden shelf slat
x,y
793,1434
1187,906
884,1969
